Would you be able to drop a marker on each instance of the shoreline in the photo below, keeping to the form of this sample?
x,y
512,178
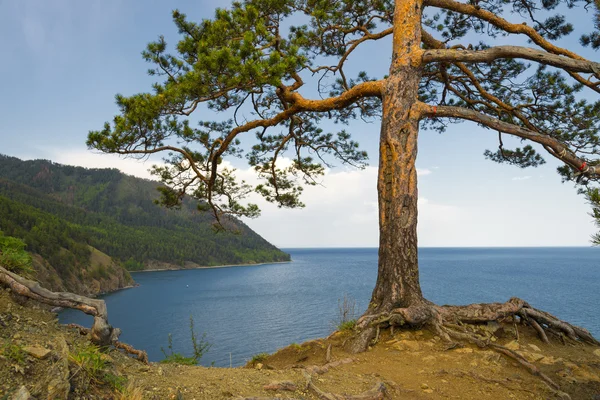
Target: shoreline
x,y
211,267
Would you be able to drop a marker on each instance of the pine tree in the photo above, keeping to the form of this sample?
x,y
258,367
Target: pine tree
x,y
255,57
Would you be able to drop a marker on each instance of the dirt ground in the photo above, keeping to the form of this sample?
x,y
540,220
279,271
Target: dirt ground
x,y
48,361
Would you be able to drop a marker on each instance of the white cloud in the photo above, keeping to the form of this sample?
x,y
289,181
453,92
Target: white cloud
x,y
423,172
521,178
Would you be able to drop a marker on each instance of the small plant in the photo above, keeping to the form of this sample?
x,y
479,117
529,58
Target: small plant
x,y
260,357
346,318
88,359
297,347
200,347
116,382
347,326
13,353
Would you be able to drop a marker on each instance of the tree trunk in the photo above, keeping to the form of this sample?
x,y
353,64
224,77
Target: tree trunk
x,y
398,276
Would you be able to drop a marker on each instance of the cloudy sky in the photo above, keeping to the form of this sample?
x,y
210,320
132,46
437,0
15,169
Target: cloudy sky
x,y
63,62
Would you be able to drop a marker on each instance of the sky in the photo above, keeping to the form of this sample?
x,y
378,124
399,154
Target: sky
x,y
63,62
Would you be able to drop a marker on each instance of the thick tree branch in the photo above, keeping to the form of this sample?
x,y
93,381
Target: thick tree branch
x,y
558,149
433,42
299,104
491,54
509,27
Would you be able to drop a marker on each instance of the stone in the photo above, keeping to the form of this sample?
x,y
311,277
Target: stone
x,y
428,390
258,366
21,394
283,385
514,345
36,351
492,327
597,352
409,345
549,360
463,350
534,348
424,386
531,357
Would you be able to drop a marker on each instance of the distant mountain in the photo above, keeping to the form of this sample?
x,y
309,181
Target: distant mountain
x,y
67,214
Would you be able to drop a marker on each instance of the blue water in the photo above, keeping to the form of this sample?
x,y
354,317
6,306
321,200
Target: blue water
x,y
253,309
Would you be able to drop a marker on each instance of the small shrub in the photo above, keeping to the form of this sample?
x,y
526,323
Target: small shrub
x,y
297,347
116,382
347,326
200,347
346,318
89,361
260,357
13,353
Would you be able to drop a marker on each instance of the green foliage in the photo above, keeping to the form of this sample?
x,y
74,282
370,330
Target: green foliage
x,y
260,357
133,265
199,346
91,365
593,197
89,361
13,352
59,211
347,326
13,256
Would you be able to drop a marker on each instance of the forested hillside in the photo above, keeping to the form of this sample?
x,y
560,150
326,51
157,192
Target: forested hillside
x,y
59,211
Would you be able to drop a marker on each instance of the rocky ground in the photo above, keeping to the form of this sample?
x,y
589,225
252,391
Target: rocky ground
x,y
43,360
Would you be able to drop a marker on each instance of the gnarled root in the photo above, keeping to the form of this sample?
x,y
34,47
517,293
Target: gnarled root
x,y
101,333
449,323
376,393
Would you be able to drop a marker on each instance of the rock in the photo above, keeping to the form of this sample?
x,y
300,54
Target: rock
x,y
534,348
492,327
463,350
549,360
160,371
597,352
531,357
258,366
428,390
21,394
36,351
424,386
513,345
283,385
409,345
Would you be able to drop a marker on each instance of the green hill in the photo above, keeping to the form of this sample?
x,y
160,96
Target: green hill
x,y
64,213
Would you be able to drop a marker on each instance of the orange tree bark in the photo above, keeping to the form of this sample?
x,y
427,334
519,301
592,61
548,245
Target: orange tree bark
x,y
398,271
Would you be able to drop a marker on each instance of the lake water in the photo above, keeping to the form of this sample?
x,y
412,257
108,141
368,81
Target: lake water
x,y
253,309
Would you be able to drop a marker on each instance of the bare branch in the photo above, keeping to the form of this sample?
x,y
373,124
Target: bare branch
x,y
491,54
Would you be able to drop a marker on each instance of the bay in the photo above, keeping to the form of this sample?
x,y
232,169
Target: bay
x,y
252,309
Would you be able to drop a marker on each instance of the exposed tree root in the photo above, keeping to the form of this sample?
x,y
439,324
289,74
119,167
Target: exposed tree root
x,y
139,354
101,333
450,323
376,393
